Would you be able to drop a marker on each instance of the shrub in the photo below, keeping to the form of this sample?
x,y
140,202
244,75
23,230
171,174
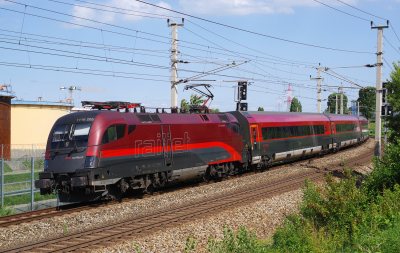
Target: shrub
x,y
6,211
337,204
243,241
386,171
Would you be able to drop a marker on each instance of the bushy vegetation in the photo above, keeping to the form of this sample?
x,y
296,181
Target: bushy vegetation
x,y
6,211
337,216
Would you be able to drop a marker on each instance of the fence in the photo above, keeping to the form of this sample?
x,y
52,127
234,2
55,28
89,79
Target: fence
x,y
22,151
17,156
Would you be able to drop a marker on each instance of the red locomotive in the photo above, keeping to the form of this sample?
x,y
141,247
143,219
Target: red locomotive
x,y
100,154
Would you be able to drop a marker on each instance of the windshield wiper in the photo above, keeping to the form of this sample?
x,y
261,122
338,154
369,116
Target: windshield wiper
x,y
57,151
75,149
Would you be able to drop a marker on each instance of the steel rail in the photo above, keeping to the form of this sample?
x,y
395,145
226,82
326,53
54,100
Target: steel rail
x,y
19,218
141,225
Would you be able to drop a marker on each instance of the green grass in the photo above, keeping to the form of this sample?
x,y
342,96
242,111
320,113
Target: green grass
x,y
26,199
19,177
7,168
38,164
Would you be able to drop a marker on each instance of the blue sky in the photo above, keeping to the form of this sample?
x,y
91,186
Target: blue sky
x,y
129,52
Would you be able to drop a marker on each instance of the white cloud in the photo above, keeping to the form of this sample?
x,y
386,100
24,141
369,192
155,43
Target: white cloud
x,y
246,7
111,17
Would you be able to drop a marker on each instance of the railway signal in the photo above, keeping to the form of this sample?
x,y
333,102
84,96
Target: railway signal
x,y
242,95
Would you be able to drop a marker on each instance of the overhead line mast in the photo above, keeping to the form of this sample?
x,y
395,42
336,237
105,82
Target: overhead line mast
x,y
319,88
174,63
378,120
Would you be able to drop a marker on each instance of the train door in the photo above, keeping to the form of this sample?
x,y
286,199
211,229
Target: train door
x,y
333,131
255,145
167,145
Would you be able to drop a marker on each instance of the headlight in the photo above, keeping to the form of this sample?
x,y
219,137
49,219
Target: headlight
x,y
90,162
46,164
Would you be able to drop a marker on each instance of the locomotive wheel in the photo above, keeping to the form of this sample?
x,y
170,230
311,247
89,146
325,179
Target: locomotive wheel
x,y
114,192
149,189
207,176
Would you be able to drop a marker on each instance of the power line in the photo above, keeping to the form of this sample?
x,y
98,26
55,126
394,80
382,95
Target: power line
x,y
361,10
342,11
260,34
77,45
59,69
388,64
121,9
395,32
91,20
391,44
104,23
371,15
159,16
113,60
124,34
243,45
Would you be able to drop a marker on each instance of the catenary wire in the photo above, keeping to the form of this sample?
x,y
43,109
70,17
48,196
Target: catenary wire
x,y
98,29
104,23
31,40
256,33
28,66
124,62
388,64
298,62
391,45
342,11
137,15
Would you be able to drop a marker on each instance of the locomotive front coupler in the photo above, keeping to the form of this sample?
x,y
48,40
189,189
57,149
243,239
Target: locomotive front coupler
x,y
46,182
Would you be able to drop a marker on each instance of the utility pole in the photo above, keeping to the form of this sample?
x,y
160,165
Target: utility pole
x,y
319,88
378,120
336,105
341,99
358,109
174,63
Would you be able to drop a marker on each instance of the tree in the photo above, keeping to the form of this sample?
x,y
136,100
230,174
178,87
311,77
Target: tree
x,y
332,103
367,101
393,87
260,109
295,106
194,100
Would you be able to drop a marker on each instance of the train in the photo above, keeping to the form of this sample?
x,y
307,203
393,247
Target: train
x,y
101,154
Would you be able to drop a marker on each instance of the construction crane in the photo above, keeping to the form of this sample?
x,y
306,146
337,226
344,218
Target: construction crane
x,y
72,88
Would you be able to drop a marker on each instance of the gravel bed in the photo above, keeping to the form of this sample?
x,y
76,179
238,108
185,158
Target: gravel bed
x,y
80,221
262,217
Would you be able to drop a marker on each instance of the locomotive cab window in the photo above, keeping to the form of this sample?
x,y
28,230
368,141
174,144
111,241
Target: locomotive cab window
x,y
113,133
236,128
73,135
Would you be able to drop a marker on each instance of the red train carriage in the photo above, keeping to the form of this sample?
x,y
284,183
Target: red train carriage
x,y
101,154
277,136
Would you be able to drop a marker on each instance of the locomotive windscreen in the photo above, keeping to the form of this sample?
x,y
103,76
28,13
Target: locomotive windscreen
x,y
70,136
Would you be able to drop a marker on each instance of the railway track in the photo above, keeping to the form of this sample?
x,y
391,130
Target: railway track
x,y
16,219
142,225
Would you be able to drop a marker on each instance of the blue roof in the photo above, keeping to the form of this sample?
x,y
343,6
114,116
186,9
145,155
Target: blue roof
x,y
20,102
